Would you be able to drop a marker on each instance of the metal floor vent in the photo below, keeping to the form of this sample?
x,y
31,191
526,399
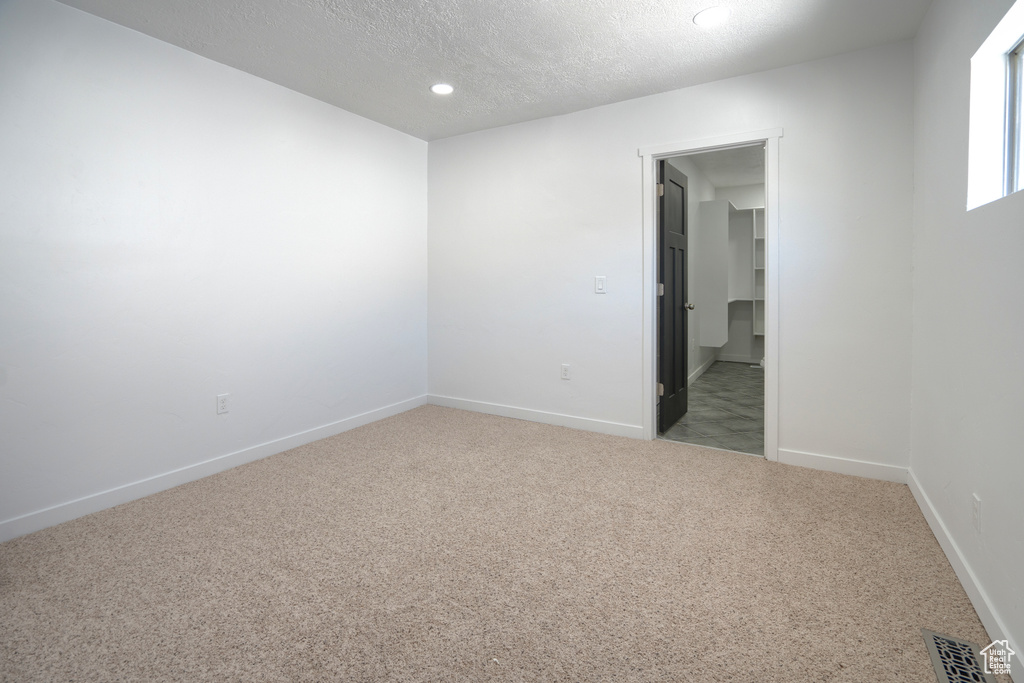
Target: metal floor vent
x,y
955,661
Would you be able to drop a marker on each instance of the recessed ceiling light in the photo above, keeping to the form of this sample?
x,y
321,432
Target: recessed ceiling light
x,y
442,89
712,16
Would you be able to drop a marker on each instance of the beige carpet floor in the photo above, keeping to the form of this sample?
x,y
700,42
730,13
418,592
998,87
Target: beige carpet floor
x,y
443,545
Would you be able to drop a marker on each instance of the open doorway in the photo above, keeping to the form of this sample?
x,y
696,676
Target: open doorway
x,y
712,296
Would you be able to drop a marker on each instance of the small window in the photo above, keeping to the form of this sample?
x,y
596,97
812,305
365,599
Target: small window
x,y
995,163
1014,118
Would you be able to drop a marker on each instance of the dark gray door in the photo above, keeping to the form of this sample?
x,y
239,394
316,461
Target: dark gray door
x,y
672,301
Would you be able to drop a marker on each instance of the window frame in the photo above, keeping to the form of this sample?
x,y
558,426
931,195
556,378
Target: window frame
x,y
1014,135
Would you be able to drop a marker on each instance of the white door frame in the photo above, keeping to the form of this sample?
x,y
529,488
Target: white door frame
x,y
651,156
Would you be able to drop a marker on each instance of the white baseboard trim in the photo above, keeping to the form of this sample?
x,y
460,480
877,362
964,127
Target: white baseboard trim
x,y
990,619
695,375
858,468
728,358
544,417
63,512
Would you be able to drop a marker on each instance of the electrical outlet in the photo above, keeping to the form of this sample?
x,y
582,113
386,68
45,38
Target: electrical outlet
x,y
565,371
976,512
222,403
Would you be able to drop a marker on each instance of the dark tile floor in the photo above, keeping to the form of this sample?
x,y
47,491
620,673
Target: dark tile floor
x,y
726,410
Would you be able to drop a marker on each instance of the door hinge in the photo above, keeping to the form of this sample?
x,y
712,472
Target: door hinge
x,y
661,289
661,389
661,189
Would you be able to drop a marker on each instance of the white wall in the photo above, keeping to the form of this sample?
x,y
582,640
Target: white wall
x,y
172,229
743,196
968,369
513,249
698,358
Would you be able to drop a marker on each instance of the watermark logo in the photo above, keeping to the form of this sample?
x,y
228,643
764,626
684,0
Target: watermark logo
x,y
997,657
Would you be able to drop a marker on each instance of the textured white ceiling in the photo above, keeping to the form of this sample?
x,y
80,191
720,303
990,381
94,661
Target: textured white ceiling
x,y
509,60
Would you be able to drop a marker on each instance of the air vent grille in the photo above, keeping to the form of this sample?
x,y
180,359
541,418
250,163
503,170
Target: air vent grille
x,y
955,661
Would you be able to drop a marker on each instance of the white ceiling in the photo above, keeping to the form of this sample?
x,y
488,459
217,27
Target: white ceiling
x,y
509,60
731,167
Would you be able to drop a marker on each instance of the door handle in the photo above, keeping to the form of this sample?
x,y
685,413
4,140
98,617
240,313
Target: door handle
x,y
689,307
